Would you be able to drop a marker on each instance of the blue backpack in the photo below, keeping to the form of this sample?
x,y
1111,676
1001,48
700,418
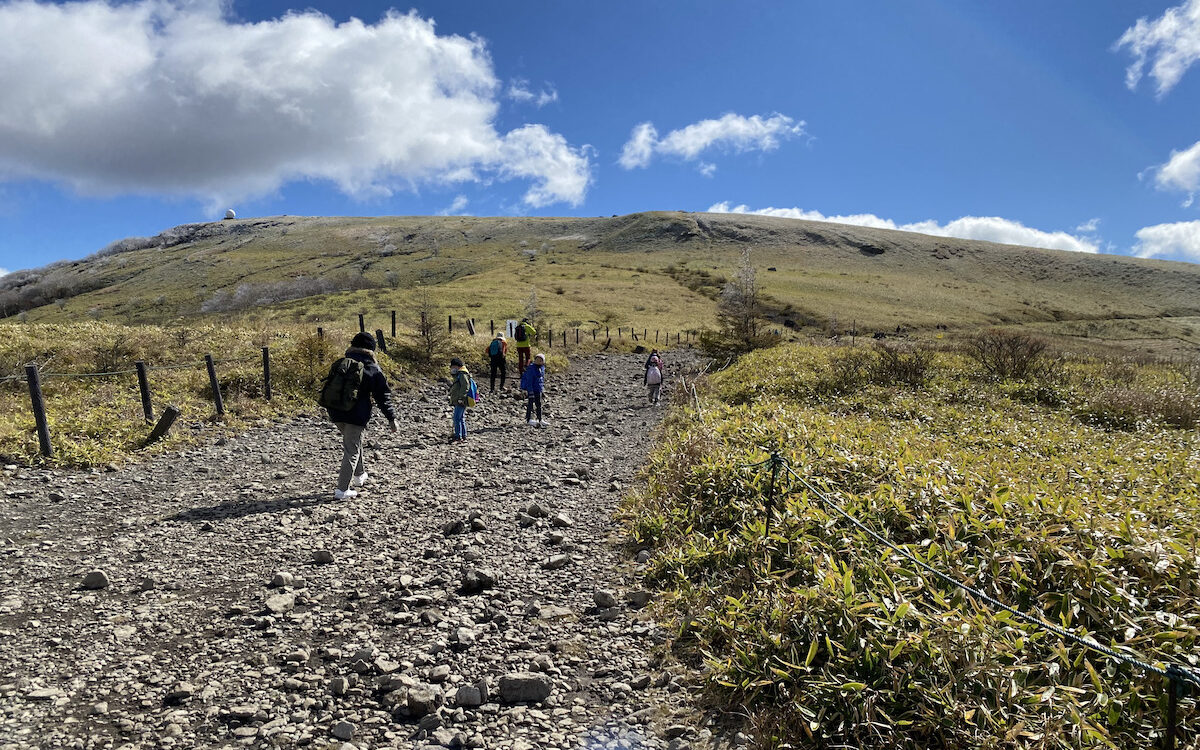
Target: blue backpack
x,y
472,392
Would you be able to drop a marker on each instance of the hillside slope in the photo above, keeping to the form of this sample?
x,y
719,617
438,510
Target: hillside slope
x,y
660,268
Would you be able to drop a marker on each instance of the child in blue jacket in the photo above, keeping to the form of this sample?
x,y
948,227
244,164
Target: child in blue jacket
x,y
533,382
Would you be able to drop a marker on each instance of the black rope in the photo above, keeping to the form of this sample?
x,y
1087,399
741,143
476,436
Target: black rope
x,y
1171,671
85,374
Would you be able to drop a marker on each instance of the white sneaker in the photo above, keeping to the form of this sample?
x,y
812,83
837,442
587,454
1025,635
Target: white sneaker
x,y
361,479
344,494
533,423
541,423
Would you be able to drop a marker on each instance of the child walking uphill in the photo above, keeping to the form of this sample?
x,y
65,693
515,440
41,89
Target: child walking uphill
x,y
346,394
533,382
654,376
462,395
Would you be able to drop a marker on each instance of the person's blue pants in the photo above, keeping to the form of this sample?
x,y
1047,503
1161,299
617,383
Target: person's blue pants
x,y
460,421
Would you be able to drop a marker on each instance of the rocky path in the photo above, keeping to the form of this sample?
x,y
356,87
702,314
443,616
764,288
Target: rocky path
x,y
471,596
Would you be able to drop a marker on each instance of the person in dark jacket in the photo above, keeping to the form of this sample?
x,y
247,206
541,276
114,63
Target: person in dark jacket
x,y
496,352
353,423
460,389
533,382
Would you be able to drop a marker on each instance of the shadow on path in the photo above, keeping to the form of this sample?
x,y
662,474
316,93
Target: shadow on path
x,y
243,508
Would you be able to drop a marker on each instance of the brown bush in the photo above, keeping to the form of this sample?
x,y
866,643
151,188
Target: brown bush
x,y
897,364
1007,355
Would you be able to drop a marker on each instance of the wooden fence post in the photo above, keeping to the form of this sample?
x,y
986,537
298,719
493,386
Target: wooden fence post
x,y
645,333
320,333
549,338
380,341
594,334
577,337
564,339
656,336
450,323
362,324
267,372
164,425
216,387
144,388
393,324
39,410
492,323
471,326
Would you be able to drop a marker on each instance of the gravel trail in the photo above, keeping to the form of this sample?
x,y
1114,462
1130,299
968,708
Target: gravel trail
x,y
472,596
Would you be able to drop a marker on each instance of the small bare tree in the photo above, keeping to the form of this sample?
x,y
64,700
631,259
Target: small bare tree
x,y
432,336
533,313
740,306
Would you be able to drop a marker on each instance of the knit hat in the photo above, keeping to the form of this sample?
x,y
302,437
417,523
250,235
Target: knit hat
x,y
456,362
540,358
363,340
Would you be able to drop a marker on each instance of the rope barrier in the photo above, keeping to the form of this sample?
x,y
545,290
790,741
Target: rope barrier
x,y
1171,671
85,374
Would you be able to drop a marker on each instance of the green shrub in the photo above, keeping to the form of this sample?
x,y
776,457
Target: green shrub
x,y
823,639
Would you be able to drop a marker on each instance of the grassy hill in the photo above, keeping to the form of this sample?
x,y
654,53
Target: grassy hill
x,y
655,270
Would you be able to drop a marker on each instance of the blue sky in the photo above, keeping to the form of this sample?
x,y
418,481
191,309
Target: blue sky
x,y
1021,121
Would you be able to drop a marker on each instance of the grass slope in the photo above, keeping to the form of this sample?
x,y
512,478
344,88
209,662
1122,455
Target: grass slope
x,y
654,270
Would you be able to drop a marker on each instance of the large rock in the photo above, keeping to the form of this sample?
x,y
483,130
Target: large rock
x,y
604,599
476,580
95,580
180,693
524,687
343,730
281,603
423,700
468,696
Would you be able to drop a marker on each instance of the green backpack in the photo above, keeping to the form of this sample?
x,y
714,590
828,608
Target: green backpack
x,y
340,390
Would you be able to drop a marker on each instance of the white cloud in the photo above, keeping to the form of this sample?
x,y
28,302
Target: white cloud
x,y
708,169
518,90
173,97
640,146
1179,240
1170,44
1089,227
989,228
456,207
1181,172
731,132
4,272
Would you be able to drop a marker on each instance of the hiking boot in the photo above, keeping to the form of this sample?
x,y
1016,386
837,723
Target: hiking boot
x,y
344,494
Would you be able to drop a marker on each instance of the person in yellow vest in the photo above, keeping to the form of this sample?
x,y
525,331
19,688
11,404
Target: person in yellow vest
x,y
523,336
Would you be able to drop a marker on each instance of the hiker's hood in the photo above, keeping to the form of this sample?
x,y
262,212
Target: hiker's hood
x,y
358,352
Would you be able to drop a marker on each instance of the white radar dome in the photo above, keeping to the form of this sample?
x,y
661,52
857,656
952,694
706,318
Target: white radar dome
x,y
230,213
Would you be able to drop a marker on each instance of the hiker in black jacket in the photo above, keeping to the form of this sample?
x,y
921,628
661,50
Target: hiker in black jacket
x,y
352,423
